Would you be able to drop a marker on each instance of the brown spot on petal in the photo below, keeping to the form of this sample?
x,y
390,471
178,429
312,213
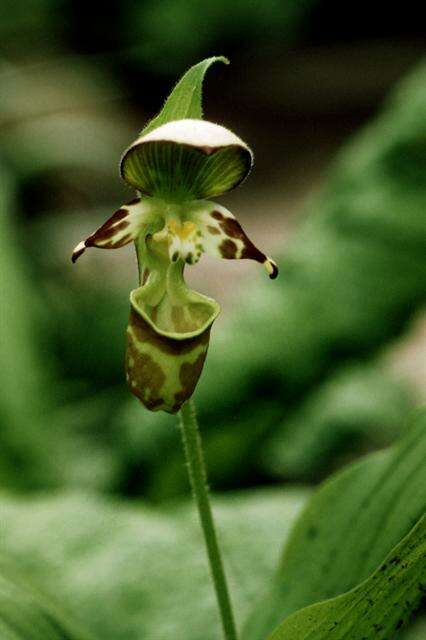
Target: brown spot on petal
x,y
108,229
217,215
208,150
132,202
213,230
233,229
228,249
251,252
124,240
121,225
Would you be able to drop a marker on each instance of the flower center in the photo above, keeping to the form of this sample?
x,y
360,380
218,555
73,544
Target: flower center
x,y
183,230
184,240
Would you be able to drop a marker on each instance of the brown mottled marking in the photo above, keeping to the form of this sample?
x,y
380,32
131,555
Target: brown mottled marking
x,y
213,230
106,230
228,249
252,253
190,372
132,202
121,225
180,398
147,374
155,404
208,150
124,240
145,333
118,215
233,229
188,376
217,215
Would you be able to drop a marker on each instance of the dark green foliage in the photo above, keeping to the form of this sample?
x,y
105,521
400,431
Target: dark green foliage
x,y
348,528
377,608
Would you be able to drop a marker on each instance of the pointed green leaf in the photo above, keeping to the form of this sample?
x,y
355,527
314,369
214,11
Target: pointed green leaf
x,y
185,101
377,608
349,526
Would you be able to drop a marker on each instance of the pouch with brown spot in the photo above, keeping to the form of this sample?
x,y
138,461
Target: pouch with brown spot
x,y
167,339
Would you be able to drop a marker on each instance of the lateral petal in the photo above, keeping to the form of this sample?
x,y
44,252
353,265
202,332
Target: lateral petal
x,y
224,237
121,228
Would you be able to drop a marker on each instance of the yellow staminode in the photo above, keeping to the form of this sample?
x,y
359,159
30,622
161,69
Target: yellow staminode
x,y
181,230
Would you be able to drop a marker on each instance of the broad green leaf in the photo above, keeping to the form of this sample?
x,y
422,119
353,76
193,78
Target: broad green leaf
x,y
133,572
347,529
185,101
377,608
27,615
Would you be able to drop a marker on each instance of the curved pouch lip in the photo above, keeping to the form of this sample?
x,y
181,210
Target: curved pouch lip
x,y
163,367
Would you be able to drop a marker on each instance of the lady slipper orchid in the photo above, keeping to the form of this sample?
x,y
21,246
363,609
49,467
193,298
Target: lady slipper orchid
x,y
175,169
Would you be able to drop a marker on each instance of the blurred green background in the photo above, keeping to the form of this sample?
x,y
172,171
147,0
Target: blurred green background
x,y
304,373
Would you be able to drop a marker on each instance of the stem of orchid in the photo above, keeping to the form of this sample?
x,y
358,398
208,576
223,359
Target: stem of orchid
x,y
198,478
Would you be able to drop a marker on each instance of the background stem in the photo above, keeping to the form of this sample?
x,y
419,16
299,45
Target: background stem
x,y
198,479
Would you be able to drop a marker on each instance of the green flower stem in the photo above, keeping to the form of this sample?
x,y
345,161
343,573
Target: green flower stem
x,y
198,479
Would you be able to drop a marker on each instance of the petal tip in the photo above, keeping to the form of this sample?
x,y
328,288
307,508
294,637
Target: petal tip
x,y
271,268
78,251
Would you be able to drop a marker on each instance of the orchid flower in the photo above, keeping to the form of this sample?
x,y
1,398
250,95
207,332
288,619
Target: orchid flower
x,y
175,169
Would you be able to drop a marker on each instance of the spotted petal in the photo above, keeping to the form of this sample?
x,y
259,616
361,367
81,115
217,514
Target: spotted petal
x,y
223,236
122,227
